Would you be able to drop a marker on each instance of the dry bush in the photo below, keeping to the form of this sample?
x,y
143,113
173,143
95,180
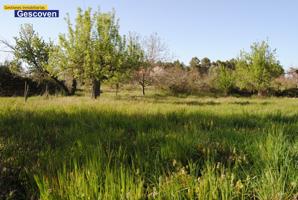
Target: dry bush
x,y
179,80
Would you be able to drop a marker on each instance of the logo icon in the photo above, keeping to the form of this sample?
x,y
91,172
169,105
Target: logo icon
x,y
32,11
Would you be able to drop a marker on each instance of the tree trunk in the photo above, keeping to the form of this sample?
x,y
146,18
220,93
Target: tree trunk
x,y
117,88
143,88
143,84
262,93
73,87
46,93
61,84
26,91
95,92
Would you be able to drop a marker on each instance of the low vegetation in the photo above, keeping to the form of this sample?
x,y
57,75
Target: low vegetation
x,y
153,147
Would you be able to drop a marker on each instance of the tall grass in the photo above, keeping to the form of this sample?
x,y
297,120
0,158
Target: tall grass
x,y
148,148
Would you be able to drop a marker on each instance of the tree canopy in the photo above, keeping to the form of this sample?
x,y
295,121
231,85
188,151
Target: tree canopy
x,y
258,68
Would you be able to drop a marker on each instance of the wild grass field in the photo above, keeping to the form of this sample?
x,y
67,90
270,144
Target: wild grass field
x,y
153,147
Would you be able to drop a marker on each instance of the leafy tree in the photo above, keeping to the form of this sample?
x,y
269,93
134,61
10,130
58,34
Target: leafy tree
x,y
32,50
202,66
132,60
93,50
15,67
256,69
67,59
225,79
205,66
178,64
106,52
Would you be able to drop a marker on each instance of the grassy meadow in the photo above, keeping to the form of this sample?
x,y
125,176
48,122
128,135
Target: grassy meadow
x,y
153,147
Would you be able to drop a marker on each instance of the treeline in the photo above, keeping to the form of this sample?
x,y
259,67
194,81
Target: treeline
x,y
93,52
253,73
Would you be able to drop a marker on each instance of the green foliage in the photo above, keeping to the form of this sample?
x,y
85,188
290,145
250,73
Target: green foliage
x,y
94,50
108,48
225,79
132,60
14,66
257,69
205,66
32,50
202,66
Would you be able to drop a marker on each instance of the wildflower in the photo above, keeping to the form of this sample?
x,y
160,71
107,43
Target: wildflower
x,y
174,163
239,185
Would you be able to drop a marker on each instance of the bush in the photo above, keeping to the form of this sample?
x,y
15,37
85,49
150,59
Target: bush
x,y
292,92
13,84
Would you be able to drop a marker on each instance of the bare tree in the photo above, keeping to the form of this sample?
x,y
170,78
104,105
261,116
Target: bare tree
x,y
155,51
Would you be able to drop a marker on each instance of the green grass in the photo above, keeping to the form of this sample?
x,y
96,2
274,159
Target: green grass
x,y
154,147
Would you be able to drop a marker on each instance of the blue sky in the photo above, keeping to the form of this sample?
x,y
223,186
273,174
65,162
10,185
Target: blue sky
x,y
217,29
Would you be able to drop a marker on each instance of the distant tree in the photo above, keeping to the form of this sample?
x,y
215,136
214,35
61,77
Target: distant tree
x,y
231,64
225,79
286,81
178,64
169,64
132,60
175,80
293,76
205,66
256,69
195,63
155,51
202,66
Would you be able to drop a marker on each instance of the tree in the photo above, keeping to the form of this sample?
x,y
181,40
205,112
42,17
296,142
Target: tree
x,y
175,79
15,67
32,50
194,63
256,69
78,51
293,76
205,66
155,51
202,66
133,59
178,64
93,50
225,79
67,58
109,51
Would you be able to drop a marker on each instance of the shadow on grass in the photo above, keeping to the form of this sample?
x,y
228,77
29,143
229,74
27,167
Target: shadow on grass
x,y
161,99
30,140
